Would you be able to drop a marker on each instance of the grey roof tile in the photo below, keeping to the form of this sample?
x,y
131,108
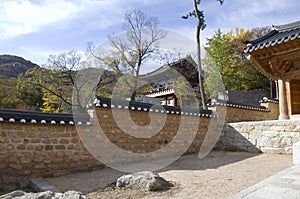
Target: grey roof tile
x,y
21,116
146,107
279,34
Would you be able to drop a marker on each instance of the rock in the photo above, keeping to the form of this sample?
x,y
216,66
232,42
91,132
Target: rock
x,y
43,195
145,181
15,194
72,195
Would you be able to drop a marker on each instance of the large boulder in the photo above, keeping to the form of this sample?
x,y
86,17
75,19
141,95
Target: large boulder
x,y
145,181
43,195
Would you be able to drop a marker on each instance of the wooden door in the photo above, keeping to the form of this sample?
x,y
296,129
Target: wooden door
x,y
295,96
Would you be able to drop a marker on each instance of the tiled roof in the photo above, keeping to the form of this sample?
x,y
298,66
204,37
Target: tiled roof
x,y
278,35
238,105
159,90
20,116
265,99
145,107
169,73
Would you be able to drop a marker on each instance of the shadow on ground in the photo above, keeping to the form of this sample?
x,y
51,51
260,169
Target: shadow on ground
x,y
91,181
213,160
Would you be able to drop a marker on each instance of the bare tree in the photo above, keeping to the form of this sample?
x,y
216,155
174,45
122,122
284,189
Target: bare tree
x,y
59,78
200,26
131,50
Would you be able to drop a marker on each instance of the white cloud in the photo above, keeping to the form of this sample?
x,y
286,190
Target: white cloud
x,y
23,16
54,25
250,14
26,16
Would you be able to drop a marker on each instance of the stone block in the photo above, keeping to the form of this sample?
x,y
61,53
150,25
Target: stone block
x,y
64,141
255,134
268,133
277,128
276,142
16,166
8,172
21,147
296,153
16,140
264,142
25,160
272,150
286,141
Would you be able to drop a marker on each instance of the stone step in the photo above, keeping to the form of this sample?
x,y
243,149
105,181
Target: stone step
x,y
40,185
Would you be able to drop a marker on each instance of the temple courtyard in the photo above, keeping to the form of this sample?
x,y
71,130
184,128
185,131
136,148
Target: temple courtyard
x,y
219,175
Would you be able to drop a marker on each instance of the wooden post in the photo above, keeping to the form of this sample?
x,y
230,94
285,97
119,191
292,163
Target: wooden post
x,y
174,100
283,110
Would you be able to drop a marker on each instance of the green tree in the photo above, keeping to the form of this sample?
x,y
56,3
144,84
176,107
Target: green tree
x,y
224,60
30,94
199,14
8,93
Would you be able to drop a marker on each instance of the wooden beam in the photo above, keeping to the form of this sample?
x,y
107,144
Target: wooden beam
x,y
279,67
262,69
292,75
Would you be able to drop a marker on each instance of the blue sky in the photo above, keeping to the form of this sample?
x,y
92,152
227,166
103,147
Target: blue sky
x,y
34,29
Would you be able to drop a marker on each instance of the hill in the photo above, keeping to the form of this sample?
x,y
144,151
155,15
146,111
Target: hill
x,y
12,66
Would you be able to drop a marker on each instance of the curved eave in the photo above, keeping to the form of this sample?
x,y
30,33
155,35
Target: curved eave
x,y
276,40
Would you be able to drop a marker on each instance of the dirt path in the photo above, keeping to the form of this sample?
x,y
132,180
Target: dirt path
x,y
218,175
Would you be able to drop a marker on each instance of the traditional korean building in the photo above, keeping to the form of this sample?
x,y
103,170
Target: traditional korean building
x,y
277,56
162,81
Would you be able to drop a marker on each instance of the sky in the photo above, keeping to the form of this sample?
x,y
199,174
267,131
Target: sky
x,y
35,29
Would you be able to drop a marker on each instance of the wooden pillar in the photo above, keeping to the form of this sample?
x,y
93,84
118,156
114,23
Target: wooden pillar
x,y
174,100
283,110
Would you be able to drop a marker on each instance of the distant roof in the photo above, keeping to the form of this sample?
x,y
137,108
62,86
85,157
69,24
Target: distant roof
x,y
279,34
170,72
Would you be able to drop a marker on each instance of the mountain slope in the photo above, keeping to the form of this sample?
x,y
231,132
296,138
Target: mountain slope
x,y
12,66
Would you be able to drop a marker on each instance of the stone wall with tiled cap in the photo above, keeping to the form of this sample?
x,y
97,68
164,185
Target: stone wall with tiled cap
x,y
44,145
236,112
33,117
145,107
35,144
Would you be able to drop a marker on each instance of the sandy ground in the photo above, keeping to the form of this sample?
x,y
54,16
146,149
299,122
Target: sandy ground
x,y
218,175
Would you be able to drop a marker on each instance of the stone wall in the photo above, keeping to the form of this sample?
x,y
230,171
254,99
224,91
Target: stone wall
x,y
44,145
163,137
40,150
45,148
269,110
262,136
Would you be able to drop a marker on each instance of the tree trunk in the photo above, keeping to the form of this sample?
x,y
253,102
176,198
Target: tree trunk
x,y
203,98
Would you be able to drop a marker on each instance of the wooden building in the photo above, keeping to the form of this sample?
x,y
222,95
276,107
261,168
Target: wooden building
x,y
162,81
277,56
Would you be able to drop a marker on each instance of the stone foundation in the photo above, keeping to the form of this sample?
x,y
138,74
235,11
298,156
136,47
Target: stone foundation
x,y
263,136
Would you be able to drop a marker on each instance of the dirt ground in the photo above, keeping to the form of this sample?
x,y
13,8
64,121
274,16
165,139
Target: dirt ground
x,y
218,175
